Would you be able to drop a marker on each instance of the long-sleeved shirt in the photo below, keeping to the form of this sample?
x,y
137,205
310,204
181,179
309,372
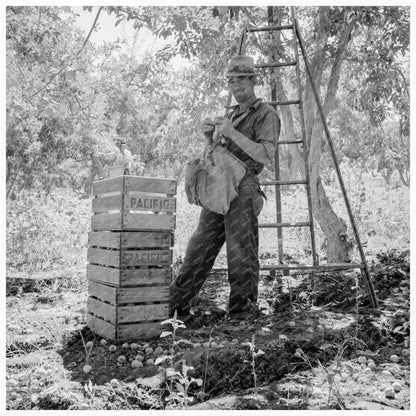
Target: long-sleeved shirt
x,y
262,125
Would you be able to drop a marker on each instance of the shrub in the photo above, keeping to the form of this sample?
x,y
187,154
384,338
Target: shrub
x,y
46,232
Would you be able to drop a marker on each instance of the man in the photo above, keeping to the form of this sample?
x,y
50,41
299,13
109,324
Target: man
x,y
250,132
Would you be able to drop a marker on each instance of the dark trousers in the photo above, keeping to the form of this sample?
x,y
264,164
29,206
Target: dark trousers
x,y
239,229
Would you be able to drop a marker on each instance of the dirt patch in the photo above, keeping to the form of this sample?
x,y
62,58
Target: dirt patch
x,y
289,354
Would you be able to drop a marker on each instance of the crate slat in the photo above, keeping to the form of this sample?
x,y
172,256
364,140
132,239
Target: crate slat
x,y
129,277
148,221
121,295
132,221
102,310
107,203
130,239
146,239
104,257
127,314
101,327
143,294
137,258
102,292
153,185
106,221
124,332
106,239
139,201
108,185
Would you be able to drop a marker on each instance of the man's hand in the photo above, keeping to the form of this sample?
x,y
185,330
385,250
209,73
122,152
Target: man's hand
x,y
208,128
224,127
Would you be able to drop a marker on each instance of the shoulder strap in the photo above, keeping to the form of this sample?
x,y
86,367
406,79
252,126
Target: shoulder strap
x,y
238,120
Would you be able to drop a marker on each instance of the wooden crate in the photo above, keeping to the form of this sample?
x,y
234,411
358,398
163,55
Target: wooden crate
x,y
123,313
129,277
128,295
130,256
123,332
134,203
120,312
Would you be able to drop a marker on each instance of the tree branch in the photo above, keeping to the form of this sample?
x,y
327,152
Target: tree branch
x,y
317,127
71,59
90,32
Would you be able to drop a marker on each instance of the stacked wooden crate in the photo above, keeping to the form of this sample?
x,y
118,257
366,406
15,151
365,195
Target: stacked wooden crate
x,y
130,256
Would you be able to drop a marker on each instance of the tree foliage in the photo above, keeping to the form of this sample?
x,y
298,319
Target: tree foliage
x,y
68,99
42,127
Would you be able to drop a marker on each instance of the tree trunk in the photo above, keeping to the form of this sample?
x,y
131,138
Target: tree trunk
x,y
404,177
334,228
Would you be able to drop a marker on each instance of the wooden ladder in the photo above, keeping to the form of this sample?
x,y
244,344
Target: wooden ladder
x,y
278,182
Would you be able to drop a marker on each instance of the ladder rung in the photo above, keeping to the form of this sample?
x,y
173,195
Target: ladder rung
x,y
283,102
295,182
270,28
334,266
285,224
275,65
291,142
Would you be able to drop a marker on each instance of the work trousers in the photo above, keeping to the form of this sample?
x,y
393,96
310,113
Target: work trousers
x,y
239,229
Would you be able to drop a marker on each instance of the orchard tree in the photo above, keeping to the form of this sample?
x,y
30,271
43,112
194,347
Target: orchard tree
x,y
56,109
371,39
335,35
44,70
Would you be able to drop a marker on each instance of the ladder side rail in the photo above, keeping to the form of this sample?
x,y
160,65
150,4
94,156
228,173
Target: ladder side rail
x,y
368,281
305,150
277,188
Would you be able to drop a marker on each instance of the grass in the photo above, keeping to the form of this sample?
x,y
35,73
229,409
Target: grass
x,y
382,216
51,234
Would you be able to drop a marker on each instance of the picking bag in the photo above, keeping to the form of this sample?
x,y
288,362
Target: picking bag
x,y
212,182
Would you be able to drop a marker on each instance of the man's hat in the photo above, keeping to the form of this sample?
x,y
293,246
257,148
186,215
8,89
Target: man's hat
x,y
241,65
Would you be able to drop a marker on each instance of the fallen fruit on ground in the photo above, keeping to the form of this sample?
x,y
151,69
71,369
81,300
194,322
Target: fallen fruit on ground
x,y
87,369
137,364
397,386
394,358
114,383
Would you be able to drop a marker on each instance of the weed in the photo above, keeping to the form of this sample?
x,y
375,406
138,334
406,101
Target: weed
x,y
206,360
57,335
89,393
87,348
341,369
301,354
182,382
179,381
254,355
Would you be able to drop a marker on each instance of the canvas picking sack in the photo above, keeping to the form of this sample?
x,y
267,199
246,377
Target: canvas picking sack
x,y
212,182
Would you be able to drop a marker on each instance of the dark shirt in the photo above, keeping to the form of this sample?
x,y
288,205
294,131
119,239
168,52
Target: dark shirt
x,y
262,125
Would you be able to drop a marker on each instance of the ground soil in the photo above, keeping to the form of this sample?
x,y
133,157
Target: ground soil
x,y
293,351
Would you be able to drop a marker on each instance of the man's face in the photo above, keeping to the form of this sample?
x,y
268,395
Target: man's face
x,y
242,88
